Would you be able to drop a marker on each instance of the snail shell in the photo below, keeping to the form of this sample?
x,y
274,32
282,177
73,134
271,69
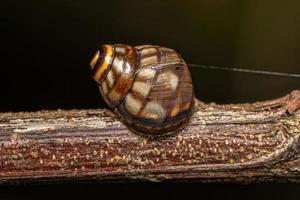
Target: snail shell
x,y
149,87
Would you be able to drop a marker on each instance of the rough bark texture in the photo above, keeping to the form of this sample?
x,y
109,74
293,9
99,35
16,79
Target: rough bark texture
x,y
244,143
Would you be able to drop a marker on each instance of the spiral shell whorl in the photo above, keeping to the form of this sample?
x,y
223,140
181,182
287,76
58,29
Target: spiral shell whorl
x,y
117,72
101,62
161,99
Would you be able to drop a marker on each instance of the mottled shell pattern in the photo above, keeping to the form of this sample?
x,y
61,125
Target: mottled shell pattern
x,y
149,87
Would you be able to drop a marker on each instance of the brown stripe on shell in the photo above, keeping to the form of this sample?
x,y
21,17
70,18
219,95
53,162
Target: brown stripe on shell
x,y
100,62
122,80
149,61
170,57
141,47
148,52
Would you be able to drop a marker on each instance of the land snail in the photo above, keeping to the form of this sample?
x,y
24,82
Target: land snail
x,y
149,87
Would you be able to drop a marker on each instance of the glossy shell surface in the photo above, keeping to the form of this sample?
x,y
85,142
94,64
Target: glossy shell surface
x,y
149,87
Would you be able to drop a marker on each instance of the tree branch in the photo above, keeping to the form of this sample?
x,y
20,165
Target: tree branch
x,y
242,142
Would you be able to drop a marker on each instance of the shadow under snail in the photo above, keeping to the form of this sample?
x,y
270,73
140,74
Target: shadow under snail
x,y
149,87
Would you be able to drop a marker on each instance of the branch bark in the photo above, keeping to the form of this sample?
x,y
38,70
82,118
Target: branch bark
x,y
236,143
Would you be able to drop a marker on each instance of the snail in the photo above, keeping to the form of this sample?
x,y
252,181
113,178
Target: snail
x,y
149,87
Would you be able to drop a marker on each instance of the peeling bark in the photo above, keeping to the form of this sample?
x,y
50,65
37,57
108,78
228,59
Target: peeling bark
x,y
236,143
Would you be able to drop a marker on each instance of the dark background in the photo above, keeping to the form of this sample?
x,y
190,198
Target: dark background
x,y
46,47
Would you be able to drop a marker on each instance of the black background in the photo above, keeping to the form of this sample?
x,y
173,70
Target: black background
x,y
46,47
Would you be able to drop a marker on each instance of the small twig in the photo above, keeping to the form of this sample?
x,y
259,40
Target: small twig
x,y
244,142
